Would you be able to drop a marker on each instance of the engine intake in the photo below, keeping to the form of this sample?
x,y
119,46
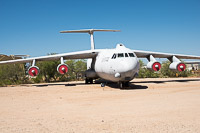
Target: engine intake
x,y
154,66
62,68
177,66
33,71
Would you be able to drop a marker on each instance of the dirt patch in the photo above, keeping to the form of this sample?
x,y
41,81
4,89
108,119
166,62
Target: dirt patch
x,y
148,105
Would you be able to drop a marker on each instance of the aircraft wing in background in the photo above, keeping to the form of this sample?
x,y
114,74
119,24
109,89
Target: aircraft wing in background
x,y
146,54
153,64
72,55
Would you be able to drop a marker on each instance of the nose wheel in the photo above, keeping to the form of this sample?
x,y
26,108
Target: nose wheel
x,y
103,84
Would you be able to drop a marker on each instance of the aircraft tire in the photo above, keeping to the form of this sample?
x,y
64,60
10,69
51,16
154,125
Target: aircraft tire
x,y
103,84
126,84
91,81
123,84
86,81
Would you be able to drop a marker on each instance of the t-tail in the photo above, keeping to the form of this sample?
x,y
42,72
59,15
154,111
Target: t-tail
x,y
89,31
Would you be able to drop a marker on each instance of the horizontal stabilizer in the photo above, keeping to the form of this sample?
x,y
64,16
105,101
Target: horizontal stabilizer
x,y
88,31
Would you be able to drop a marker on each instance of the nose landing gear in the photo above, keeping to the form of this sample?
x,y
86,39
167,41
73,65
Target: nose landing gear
x,y
103,84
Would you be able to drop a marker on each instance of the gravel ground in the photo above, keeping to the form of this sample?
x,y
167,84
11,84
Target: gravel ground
x,y
148,105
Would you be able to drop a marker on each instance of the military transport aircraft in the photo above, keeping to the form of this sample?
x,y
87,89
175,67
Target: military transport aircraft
x,y
120,64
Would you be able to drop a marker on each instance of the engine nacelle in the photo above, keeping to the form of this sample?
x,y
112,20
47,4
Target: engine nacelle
x,y
33,71
177,66
153,66
62,68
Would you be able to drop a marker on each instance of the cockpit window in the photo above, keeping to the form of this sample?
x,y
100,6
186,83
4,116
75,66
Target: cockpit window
x,y
114,56
120,55
131,54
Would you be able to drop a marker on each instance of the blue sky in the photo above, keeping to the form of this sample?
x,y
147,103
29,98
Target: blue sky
x,y
32,26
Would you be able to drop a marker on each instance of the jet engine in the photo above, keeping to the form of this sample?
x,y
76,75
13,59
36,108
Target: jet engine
x,y
33,71
62,68
153,66
177,66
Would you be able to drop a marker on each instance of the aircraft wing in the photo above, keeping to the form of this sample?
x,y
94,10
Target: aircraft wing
x,y
72,55
145,54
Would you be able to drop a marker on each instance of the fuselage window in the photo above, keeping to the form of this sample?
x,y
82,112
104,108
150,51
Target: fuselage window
x,y
131,54
120,55
114,56
126,55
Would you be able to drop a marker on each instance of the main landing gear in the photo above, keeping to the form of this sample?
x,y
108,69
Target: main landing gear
x,y
123,84
89,81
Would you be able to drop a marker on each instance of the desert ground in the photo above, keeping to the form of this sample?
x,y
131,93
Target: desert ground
x,y
148,105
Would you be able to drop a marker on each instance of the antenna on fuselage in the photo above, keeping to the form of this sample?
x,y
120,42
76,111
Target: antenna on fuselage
x,y
89,31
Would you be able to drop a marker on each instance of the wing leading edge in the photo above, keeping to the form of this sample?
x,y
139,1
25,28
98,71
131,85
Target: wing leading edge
x,y
72,55
145,54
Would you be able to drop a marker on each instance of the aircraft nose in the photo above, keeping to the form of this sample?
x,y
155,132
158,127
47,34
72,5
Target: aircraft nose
x,y
129,65
127,68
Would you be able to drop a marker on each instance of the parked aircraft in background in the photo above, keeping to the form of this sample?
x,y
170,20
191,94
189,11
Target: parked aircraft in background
x,y
120,64
193,65
12,57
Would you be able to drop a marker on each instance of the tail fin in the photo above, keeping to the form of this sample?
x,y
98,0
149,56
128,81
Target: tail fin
x,y
89,31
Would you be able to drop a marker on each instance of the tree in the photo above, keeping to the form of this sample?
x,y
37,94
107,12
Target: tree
x,y
80,67
12,74
48,71
71,69
166,72
76,67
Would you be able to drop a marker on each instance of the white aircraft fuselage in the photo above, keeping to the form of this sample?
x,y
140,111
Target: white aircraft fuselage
x,y
116,65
